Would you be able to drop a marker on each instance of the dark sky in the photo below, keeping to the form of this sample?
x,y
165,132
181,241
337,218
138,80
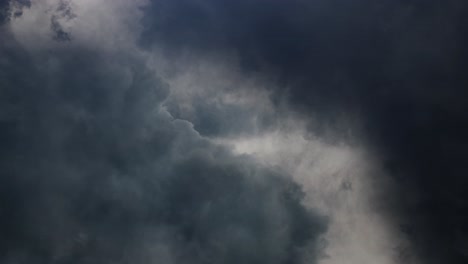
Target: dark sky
x,y
94,171
400,64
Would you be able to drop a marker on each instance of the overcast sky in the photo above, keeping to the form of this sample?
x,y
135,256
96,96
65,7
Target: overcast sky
x,y
233,131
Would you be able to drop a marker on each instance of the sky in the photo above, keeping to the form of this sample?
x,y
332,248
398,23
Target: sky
x,y
233,131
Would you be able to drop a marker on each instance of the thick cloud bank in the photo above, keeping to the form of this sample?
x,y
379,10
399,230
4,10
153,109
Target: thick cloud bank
x,y
93,169
164,130
399,65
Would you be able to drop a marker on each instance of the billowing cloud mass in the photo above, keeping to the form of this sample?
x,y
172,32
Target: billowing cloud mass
x,y
233,131
95,170
396,65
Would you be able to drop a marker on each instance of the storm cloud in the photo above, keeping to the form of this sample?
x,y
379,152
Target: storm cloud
x,y
222,131
94,169
398,65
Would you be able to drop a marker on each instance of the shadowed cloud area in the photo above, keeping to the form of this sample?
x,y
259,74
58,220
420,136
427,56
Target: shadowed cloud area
x,y
94,170
399,65
6,7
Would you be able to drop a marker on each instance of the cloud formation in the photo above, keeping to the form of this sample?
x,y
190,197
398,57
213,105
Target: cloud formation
x,y
94,169
397,65
120,118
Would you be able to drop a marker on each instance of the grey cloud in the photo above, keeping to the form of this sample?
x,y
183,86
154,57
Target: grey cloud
x,y
12,8
63,12
9,8
213,119
399,65
93,170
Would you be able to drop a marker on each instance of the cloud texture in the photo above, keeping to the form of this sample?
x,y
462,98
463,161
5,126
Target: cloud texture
x,y
398,65
165,130
95,170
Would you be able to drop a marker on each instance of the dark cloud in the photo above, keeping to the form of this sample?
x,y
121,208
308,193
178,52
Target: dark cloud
x,y
399,64
212,119
12,7
63,12
93,170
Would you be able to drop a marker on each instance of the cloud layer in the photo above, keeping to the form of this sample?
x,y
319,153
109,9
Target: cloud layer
x,y
166,130
398,65
95,170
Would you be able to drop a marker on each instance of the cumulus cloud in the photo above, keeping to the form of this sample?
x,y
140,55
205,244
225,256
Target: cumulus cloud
x,y
120,118
94,169
397,65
